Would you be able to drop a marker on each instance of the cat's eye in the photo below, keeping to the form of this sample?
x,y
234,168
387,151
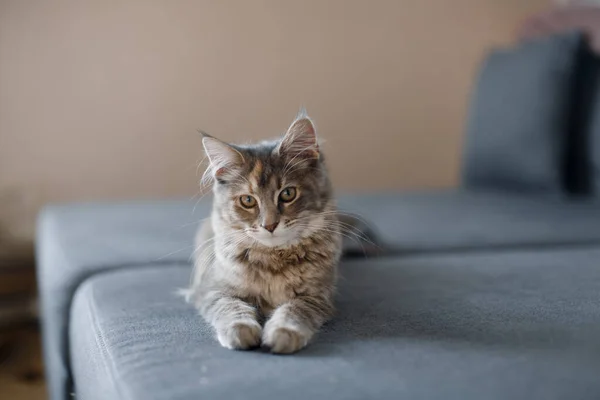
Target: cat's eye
x,y
288,194
247,201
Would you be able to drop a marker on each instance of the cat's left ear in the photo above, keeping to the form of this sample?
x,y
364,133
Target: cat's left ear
x,y
300,138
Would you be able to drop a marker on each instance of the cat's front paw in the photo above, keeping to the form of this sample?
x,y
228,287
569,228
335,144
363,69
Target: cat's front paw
x,y
284,340
240,335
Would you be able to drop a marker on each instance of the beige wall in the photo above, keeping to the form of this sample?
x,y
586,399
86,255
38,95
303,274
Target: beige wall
x,y
101,99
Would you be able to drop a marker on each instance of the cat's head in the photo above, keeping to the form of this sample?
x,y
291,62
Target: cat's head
x,y
271,193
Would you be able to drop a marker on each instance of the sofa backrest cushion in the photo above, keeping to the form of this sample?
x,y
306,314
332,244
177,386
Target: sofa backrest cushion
x,y
520,115
593,122
582,169
583,147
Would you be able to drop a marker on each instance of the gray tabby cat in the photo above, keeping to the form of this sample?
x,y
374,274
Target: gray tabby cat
x,y
266,260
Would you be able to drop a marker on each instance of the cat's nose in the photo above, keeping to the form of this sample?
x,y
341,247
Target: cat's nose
x,y
270,227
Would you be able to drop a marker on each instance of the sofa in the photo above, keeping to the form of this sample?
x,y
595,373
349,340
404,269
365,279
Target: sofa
x,y
486,291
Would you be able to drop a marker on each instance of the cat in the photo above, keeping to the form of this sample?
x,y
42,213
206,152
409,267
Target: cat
x,y
265,266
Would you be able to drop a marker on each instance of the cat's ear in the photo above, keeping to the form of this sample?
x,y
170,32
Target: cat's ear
x,y
300,138
224,158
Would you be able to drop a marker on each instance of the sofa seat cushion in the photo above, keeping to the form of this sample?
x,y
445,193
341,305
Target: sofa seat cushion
x,y
522,325
76,241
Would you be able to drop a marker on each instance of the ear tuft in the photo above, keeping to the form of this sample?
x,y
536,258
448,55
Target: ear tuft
x,y
300,138
222,156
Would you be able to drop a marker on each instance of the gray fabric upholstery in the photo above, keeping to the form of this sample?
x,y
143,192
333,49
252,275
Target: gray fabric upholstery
x,y
520,116
592,133
585,107
442,221
78,241
520,325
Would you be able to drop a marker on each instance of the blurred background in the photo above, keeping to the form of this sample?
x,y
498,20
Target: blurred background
x,y
100,100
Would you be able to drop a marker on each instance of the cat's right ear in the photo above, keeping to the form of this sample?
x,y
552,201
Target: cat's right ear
x,y
224,158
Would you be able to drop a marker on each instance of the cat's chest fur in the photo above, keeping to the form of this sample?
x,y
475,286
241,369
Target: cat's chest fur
x,y
271,278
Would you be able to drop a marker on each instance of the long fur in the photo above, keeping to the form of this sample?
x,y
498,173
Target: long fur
x,y
253,286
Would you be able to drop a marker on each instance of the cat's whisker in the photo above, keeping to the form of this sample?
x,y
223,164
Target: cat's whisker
x,y
346,235
202,195
172,253
197,222
356,217
214,238
356,235
186,247
336,220
202,161
342,213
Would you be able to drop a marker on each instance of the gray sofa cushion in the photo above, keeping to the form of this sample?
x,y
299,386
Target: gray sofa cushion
x,y
78,241
470,220
591,103
522,325
520,116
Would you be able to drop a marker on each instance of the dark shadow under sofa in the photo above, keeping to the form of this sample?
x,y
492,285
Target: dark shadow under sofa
x,y
488,291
